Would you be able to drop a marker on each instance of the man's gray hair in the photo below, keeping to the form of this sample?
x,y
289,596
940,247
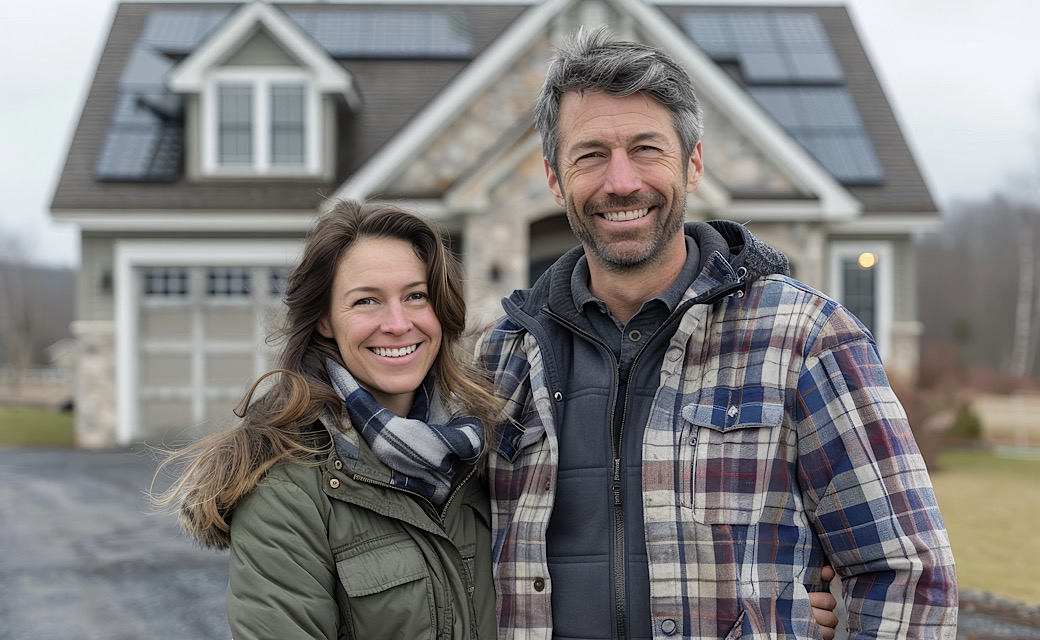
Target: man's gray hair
x,y
591,60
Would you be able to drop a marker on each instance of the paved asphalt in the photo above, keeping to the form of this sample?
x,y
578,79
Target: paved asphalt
x,y
83,557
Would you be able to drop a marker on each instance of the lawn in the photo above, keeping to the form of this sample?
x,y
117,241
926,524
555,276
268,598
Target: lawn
x,y
24,426
991,505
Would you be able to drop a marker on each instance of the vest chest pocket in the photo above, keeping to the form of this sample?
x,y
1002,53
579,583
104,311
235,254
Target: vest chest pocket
x,y
388,588
728,452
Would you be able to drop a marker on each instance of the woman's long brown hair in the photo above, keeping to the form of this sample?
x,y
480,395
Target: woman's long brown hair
x,y
218,470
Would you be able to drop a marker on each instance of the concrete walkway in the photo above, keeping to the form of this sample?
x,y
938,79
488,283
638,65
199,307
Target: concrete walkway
x,y
82,557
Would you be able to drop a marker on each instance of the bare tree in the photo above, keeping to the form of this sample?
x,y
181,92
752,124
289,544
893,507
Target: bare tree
x,y
979,285
15,312
1022,352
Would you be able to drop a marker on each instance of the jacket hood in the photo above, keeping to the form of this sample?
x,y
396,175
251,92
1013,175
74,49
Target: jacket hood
x,y
206,511
730,257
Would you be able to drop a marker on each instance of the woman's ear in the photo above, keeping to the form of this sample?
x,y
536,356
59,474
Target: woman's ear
x,y
324,329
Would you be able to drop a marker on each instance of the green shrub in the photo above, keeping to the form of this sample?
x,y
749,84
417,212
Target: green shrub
x,y
967,425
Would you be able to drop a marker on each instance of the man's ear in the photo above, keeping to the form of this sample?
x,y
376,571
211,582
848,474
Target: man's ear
x,y
324,329
696,168
554,184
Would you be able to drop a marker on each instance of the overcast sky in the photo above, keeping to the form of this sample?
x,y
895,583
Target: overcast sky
x,y
962,75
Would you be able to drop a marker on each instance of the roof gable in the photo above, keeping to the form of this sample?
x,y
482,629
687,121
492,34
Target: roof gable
x,y
452,107
241,30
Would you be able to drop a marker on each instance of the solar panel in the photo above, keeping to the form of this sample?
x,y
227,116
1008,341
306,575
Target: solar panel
x,y
149,153
713,33
754,33
179,31
800,31
145,68
127,153
399,34
764,68
848,155
827,123
770,47
787,62
145,140
815,67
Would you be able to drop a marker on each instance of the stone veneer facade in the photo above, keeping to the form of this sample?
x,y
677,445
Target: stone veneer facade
x,y
95,395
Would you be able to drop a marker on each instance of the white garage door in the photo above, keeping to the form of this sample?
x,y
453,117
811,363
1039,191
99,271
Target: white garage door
x,y
202,340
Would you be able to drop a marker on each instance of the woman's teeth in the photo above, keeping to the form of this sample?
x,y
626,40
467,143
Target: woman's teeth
x,y
394,353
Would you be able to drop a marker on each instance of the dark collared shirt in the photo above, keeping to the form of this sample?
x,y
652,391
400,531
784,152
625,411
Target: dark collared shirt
x,y
625,340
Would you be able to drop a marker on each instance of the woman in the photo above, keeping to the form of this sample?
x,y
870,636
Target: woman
x,y
349,493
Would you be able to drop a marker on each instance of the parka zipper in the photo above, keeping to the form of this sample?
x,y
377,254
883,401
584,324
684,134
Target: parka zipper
x,y
440,514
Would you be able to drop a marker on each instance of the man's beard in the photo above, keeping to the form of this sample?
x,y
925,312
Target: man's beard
x,y
654,243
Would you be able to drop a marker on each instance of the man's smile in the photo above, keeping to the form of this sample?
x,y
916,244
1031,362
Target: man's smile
x,y
625,216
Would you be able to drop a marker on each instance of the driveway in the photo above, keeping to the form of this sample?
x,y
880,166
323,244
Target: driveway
x,y
83,557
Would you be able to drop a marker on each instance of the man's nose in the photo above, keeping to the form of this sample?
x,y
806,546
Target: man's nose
x,y
622,176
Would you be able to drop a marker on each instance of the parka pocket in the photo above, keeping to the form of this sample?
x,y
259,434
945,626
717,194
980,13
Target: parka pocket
x,y
727,454
388,588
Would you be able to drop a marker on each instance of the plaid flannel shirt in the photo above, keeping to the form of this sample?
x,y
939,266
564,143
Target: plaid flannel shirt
x,y
775,446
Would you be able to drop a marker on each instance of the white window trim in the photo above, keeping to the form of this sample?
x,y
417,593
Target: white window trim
x,y
132,254
885,290
261,79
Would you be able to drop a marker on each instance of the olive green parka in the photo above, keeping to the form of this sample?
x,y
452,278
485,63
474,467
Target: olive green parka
x,y
334,551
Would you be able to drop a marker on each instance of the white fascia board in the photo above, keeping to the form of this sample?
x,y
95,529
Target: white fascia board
x,y
889,224
835,200
188,221
130,254
446,106
190,76
775,211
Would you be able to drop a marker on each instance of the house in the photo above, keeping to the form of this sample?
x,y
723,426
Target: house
x,y
213,132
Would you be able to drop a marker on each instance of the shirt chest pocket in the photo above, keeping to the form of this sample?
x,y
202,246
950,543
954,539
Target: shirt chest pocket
x,y
728,452
388,588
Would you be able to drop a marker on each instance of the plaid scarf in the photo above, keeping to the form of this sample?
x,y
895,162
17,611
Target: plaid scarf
x,y
421,450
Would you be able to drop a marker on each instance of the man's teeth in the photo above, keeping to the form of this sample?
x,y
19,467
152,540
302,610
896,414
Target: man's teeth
x,y
625,216
394,353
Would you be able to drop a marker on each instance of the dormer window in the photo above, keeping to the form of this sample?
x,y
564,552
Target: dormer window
x,y
261,122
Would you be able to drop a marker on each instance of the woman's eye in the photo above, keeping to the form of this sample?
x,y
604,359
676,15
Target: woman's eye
x,y
418,295
364,302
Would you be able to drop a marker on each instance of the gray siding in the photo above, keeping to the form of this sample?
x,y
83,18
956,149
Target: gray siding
x,y
93,301
260,51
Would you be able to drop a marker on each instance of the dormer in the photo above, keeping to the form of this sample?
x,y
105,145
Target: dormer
x,y
261,100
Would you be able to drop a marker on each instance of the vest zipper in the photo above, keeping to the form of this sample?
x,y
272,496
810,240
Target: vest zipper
x,y
617,494
619,556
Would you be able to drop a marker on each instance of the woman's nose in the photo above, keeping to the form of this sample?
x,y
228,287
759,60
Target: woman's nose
x,y
395,319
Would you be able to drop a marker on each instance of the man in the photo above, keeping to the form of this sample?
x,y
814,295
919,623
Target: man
x,y
692,434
